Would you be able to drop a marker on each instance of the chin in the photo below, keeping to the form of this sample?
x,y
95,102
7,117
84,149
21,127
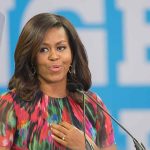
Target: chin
x,y
57,80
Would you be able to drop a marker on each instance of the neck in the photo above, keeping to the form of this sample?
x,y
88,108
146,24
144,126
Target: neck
x,y
54,90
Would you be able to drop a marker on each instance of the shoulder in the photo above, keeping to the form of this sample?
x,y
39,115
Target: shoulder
x,y
93,97
96,101
8,96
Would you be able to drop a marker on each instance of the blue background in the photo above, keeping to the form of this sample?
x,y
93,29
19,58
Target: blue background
x,y
115,96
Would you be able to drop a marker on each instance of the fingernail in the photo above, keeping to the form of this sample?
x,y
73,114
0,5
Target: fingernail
x,y
52,135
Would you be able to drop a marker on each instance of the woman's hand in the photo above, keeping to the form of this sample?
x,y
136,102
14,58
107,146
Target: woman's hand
x,y
68,135
73,138
4,148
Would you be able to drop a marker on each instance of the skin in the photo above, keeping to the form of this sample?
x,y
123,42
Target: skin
x,y
73,137
53,62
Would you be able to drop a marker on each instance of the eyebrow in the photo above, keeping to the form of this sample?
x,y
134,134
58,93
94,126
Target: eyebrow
x,y
60,42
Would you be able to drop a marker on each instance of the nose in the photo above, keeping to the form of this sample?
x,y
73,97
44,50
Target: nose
x,y
53,55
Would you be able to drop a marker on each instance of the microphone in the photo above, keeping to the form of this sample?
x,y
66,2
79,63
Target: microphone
x,y
75,87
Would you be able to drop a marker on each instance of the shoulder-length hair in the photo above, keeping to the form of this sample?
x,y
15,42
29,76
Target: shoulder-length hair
x,y
24,79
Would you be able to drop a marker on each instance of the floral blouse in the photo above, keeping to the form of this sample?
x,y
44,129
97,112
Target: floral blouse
x,y
25,125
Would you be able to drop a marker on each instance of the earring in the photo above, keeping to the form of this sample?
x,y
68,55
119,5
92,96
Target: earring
x,y
33,70
71,70
72,75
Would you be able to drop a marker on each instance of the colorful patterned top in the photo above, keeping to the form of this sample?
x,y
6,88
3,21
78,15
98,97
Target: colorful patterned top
x,y
24,125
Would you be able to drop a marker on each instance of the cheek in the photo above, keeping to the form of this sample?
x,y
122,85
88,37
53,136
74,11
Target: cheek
x,y
39,59
68,61
39,69
40,62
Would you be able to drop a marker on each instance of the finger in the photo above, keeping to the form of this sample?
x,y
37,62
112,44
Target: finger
x,y
59,128
66,125
57,133
59,140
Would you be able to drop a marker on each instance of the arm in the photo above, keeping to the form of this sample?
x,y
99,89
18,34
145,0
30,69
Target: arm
x,y
4,148
113,147
95,147
7,121
105,128
73,137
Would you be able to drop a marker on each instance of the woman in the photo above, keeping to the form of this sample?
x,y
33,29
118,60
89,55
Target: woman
x,y
41,111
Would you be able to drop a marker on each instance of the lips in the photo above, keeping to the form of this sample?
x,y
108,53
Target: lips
x,y
55,68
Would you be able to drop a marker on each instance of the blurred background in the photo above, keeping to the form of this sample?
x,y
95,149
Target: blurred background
x,y
116,34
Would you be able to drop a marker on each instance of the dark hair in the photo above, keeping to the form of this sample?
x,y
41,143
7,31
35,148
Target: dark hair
x,y
24,81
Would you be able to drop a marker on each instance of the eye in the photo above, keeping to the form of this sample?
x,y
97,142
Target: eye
x,y
44,50
61,48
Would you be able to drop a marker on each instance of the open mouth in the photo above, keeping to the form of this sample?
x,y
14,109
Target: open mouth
x,y
55,68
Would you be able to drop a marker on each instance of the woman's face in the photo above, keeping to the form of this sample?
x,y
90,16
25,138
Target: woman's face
x,y
54,57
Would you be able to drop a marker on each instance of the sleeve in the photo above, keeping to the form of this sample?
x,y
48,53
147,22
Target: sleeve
x,y
7,120
105,132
